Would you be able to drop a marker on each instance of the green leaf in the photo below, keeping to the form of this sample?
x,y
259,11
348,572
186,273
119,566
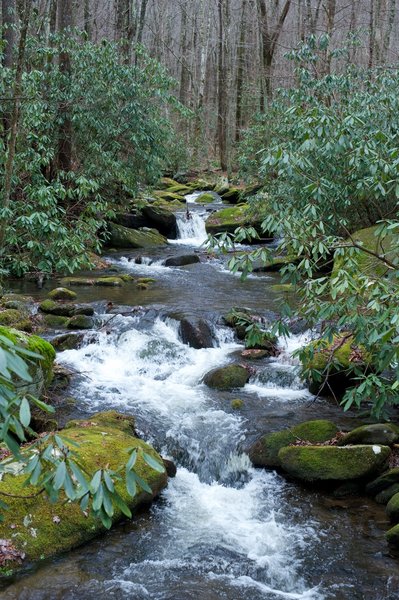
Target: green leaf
x,y
59,476
24,412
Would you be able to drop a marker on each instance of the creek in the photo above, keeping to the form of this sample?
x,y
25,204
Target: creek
x,y
221,529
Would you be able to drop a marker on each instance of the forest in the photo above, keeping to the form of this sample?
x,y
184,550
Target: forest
x,y
199,300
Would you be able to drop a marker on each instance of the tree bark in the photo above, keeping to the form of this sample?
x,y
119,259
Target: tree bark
x,y
8,8
65,132
240,72
222,88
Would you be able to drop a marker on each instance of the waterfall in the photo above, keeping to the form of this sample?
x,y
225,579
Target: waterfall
x,y
191,228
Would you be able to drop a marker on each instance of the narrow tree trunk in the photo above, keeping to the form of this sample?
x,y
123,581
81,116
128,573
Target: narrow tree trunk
x,y
14,122
240,72
87,19
222,91
9,22
184,74
65,132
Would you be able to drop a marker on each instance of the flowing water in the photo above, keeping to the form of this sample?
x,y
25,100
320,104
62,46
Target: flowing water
x,y
221,529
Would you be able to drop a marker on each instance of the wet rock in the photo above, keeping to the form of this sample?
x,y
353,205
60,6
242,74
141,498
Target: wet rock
x,y
112,281
383,482
163,218
55,321
68,341
84,309
265,451
232,195
131,220
62,293
205,199
196,333
170,467
392,536
121,237
228,219
227,378
80,322
385,496
392,508
61,378
254,354
380,433
181,261
57,308
16,318
237,403
333,463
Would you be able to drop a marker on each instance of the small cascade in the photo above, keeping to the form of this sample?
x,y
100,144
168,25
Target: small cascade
x,y
191,228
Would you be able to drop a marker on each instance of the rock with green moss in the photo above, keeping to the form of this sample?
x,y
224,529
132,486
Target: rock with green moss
x,y
62,293
366,263
333,364
67,341
109,281
18,319
163,217
206,198
80,322
237,403
385,496
392,536
78,281
55,321
392,508
227,378
40,369
379,433
122,237
104,441
167,196
60,309
333,463
233,195
264,452
167,182
228,219
383,482
284,288
202,185
179,188
275,264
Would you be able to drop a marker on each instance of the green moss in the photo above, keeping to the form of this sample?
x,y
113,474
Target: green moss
x,y
286,288
336,463
324,352
11,316
379,433
109,281
227,378
385,496
392,536
393,508
205,199
167,196
62,293
384,481
265,452
167,182
80,322
77,281
142,286
237,403
55,321
103,441
60,309
122,237
145,280
126,278
178,188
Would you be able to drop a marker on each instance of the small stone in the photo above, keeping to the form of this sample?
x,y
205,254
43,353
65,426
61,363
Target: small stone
x,y
80,322
62,293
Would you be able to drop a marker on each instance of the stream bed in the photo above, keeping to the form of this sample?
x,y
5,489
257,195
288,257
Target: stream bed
x,y
221,529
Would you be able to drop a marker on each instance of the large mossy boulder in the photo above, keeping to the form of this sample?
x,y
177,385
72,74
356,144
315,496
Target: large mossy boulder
x,y
379,433
206,198
122,237
367,263
40,369
17,318
228,219
227,378
383,482
163,217
168,196
264,452
333,463
62,293
41,529
334,364
393,508
233,195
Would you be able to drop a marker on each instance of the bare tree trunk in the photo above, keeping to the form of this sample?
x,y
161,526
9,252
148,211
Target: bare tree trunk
x,y
65,132
14,123
140,29
240,72
222,88
87,19
185,73
371,35
9,22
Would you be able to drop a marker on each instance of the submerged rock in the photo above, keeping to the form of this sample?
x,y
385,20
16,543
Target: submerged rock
x,y
196,333
102,442
181,261
227,378
68,341
121,237
380,433
265,451
333,463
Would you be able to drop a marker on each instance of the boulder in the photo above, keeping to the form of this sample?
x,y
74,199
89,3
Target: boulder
x,y
163,218
80,322
392,536
227,378
103,441
182,261
333,463
55,321
383,482
254,354
196,333
232,195
393,508
121,237
67,341
264,452
228,219
19,319
52,307
110,281
385,496
131,220
40,369
380,433
168,196
62,293
206,198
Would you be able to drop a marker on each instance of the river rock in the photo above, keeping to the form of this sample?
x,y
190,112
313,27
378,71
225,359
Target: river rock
x,y
131,220
333,463
55,321
380,433
67,341
392,508
163,218
232,195
121,237
52,307
62,293
383,482
80,322
385,496
265,451
103,441
196,333
181,261
19,319
254,354
227,378
392,536
228,219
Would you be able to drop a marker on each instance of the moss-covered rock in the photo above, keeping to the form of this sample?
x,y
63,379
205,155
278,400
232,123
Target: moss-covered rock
x,y
109,281
383,482
380,433
333,463
393,508
15,318
78,281
385,496
62,293
228,219
366,263
168,196
227,378
264,452
80,322
55,321
122,237
163,217
236,404
60,309
41,369
233,195
42,529
167,182
205,199
334,363
179,188
202,185
392,536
